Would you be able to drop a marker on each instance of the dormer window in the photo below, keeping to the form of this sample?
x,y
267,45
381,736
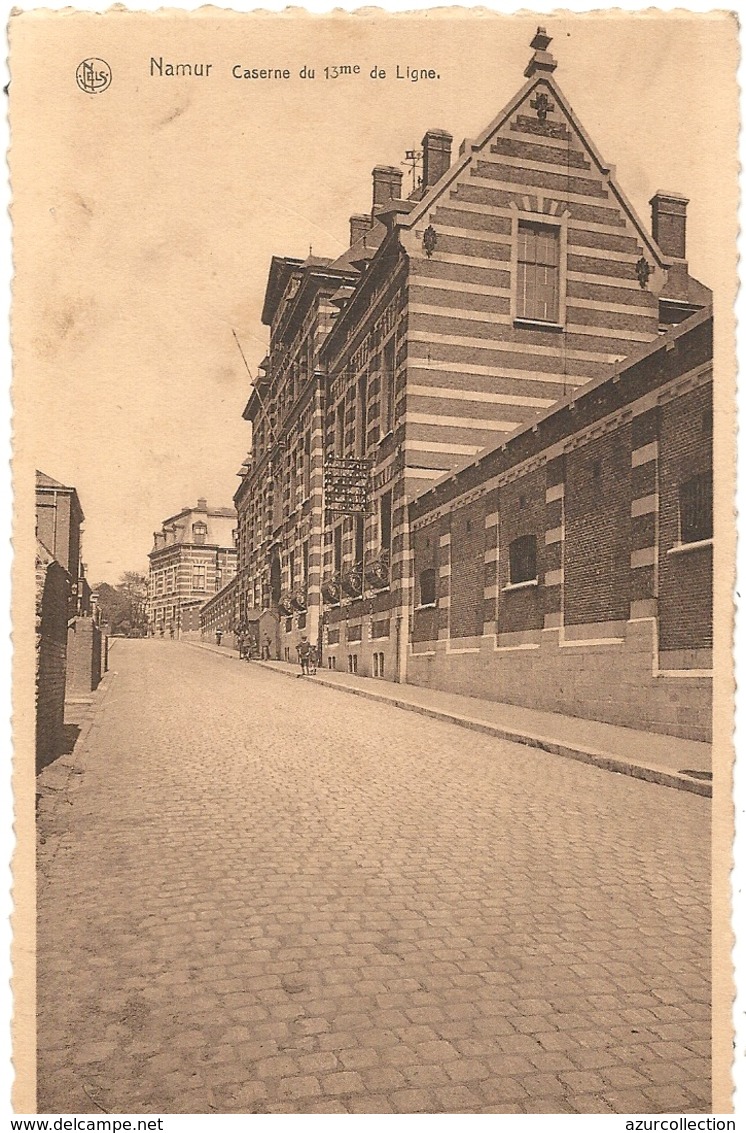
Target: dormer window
x,y
199,531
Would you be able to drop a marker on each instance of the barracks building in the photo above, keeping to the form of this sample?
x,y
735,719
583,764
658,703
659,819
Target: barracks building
x,y
482,437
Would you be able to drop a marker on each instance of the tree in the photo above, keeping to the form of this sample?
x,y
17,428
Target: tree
x,y
124,606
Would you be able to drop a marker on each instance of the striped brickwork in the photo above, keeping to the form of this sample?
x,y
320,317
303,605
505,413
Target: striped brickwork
x,y
476,372
280,500
185,573
617,622
644,515
432,349
554,544
491,562
444,569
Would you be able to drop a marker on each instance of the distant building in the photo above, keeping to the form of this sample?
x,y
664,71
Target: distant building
x,y
220,614
193,556
59,522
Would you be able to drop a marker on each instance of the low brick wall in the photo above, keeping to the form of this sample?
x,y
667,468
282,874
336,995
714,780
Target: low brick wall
x,y
52,591
618,683
85,661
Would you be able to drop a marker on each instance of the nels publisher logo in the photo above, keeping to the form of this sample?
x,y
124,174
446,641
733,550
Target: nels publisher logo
x,y
93,76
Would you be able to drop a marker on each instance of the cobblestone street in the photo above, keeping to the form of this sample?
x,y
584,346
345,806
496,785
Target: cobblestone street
x,y
257,895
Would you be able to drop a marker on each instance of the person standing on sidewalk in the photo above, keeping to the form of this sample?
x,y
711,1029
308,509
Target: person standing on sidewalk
x,y
266,647
304,654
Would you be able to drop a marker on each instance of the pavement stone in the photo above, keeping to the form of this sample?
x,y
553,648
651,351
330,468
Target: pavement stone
x,y
257,896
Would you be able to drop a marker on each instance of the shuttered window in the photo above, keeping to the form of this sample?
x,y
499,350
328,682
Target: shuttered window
x,y
538,272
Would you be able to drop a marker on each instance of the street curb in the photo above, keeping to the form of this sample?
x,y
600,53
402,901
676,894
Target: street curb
x,y
219,651
581,754
73,767
100,696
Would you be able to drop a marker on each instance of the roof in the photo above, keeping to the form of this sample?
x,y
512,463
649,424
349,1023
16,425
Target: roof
x,y
44,481
280,270
49,484
228,512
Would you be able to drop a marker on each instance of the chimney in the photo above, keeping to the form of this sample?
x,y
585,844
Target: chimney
x,y
387,181
669,223
201,504
359,225
436,156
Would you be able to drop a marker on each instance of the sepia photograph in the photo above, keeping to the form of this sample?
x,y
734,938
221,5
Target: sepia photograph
x,y
374,463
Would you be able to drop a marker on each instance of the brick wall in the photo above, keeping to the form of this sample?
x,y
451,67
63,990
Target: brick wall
x,y
615,682
617,625
425,542
52,590
685,580
521,507
84,657
467,570
597,530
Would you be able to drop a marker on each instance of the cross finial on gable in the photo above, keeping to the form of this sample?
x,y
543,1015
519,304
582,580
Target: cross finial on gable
x,y
541,60
543,105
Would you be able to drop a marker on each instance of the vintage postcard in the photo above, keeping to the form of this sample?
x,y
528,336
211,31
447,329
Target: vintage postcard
x,y
374,450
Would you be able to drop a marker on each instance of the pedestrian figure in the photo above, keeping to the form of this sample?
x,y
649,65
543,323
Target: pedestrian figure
x,y
313,660
304,654
219,636
266,647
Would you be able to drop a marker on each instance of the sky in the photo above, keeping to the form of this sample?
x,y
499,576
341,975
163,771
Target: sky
x,y
155,207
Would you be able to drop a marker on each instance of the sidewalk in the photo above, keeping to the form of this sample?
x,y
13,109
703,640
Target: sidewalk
x,y
657,758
